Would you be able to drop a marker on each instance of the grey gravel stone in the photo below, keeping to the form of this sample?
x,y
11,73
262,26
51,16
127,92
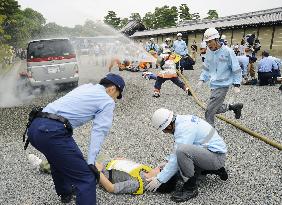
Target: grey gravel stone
x,y
255,168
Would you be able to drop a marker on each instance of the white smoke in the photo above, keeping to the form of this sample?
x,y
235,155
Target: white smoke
x,y
9,96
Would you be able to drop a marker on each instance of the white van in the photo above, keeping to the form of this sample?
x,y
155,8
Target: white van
x,y
51,61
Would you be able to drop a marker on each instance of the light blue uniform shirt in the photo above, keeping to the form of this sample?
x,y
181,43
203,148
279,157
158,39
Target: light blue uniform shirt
x,y
222,68
87,102
180,47
191,130
266,64
243,62
152,46
277,61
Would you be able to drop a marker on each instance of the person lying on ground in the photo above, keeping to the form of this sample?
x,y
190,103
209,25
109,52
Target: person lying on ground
x,y
123,176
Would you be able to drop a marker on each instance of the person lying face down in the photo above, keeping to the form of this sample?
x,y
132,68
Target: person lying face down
x,y
122,176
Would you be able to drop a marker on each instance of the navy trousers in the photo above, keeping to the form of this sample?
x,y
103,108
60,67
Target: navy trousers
x,y
176,81
68,167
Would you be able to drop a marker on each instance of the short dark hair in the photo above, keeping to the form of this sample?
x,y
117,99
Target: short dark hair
x,y
107,83
265,53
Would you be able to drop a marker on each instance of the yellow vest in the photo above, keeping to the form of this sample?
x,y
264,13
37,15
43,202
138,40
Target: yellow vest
x,y
131,168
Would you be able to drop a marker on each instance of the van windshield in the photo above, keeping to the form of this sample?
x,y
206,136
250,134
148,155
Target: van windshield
x,y
49,48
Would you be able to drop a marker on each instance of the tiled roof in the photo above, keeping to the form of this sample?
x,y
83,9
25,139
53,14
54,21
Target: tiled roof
x,y
131,27
269,16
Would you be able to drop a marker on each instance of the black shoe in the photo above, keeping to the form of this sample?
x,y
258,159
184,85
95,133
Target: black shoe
x,y
220,172
188,191
237,108
66,198
156,95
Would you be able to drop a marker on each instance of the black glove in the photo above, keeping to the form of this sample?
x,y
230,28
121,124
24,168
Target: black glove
x,y
95,171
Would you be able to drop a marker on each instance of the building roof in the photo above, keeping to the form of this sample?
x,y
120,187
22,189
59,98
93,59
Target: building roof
x,y
131,27
263,17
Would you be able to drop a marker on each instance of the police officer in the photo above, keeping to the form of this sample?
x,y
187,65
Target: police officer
x,y
51,133
180,48
221,67
266,68
198,150
152,46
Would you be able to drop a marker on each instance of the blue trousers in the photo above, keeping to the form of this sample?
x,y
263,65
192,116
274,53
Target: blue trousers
x,y
68,167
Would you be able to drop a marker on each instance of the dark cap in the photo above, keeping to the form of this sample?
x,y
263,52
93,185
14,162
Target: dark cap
x,y
118,81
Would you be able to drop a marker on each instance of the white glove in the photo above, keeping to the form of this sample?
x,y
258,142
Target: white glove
x,y
153,185
236,90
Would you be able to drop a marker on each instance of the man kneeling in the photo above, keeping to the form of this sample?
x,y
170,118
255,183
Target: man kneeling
x,y
197,145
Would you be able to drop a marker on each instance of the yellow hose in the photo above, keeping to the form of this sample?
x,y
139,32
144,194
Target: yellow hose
x,y
241,127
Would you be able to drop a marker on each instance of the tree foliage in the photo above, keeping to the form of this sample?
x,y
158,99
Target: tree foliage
x,y
112,19
149,20
212,14
135,17
184,13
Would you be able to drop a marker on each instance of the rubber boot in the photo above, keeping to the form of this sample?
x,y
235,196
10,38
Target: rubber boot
x,y
188,191
237,108
220,172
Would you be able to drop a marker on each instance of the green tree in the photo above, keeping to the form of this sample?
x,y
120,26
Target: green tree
x,y
135,17
3,37
149,20
212,14
165,16
184,13
9,8
123,22
52,30
34,21
112,19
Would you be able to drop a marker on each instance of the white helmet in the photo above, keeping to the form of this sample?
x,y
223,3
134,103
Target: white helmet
x,y
179,34
167,39
211,33
162,118
152,39
223,37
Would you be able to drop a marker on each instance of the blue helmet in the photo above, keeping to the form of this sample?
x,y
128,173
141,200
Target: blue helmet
x,y
118,81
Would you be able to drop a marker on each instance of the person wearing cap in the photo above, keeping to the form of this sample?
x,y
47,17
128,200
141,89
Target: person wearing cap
x,y
152,47
180,48
198,150
51,133
166,44
266,68
222,69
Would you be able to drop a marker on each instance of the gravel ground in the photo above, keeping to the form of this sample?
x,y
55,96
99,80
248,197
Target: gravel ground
x,y
254,167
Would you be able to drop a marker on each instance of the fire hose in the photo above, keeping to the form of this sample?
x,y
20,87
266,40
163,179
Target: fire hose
x,y
221,117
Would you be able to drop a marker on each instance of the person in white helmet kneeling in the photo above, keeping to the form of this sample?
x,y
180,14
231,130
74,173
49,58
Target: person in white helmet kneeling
x,y
198,146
